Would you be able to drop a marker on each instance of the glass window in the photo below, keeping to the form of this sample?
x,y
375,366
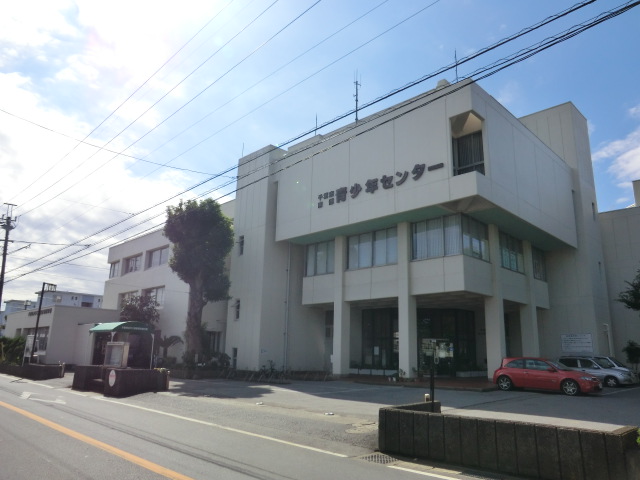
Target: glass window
x,y
320,258
241,245
468,154
373,248
539,266
157,294
132,264
157,257
450,235
365,249
511,253
114,269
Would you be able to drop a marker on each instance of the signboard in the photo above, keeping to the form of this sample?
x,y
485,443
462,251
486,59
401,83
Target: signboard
x,y
577,343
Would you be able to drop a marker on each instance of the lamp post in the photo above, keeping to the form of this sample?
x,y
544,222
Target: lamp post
x,y
46,287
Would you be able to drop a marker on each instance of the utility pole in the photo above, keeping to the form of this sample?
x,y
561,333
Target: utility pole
x,y
46,287
8,223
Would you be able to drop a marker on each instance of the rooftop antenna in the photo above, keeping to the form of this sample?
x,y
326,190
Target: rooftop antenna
x,y
357,84
455,56
315,132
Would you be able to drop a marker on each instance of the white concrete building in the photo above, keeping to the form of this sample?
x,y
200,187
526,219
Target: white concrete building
x,y
140,267
441,226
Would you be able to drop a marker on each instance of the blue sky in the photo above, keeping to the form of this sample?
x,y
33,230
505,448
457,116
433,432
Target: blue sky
x,y
167,95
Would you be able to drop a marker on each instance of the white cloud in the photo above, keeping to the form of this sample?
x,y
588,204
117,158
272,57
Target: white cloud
x,y
635,111
625,158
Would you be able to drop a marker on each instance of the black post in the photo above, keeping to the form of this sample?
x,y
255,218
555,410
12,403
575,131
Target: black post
x,y
432,387
50,288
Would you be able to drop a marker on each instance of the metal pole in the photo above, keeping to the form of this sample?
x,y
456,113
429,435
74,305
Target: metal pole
x,y
50,288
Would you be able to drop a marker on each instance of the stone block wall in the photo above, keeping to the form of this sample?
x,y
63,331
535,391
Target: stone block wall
x,y
516,448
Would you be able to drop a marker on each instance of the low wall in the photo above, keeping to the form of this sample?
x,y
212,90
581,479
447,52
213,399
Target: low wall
x,y
119,382
517,448
33,371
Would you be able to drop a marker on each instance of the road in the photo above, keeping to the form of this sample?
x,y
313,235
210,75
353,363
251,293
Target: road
x,y
235,430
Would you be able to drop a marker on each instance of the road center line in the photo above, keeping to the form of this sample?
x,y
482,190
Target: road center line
x,y
229,429
165,472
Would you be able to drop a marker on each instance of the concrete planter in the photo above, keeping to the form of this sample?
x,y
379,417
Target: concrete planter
x,y
514,448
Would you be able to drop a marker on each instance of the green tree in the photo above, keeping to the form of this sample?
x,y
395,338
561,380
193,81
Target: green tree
x,y
140,309
630,297
202,237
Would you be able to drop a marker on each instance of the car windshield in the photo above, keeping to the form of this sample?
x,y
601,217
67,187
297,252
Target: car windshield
x,y
604,362
617,363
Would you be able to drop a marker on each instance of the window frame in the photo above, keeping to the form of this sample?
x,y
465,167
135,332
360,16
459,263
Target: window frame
x,y
135,260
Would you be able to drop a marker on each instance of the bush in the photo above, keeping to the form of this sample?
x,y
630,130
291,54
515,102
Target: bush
x,y
632,350
12,350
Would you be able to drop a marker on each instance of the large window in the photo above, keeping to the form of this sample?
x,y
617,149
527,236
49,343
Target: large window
x,y
157,257
114,269
124,297
373,249
132,264
450,235
539,266
468,155
466,132
320,258
156,293
511,253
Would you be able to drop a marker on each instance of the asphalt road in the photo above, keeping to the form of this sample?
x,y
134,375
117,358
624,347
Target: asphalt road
x,y
202,429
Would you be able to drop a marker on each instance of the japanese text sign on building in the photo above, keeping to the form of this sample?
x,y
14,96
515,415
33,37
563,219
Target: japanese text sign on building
x,y
385,182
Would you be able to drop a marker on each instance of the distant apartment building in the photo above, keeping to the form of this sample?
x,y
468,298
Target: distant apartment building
x,y
140,267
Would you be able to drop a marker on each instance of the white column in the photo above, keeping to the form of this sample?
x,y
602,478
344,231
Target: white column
x,y
407,312
528,312
494,308
341,312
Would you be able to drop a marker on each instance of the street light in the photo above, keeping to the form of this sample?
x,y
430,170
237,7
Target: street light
x,y
46,287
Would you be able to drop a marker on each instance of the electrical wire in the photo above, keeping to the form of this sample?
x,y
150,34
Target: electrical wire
x,y
495,68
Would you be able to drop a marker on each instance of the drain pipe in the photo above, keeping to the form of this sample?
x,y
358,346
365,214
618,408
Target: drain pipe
x,y
286,313
607,332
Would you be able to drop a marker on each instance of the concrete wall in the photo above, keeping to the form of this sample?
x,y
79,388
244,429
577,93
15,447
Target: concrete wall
x,y
514,448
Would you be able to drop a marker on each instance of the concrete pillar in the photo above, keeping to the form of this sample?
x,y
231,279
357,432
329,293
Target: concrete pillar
x,y
528,312
407,310
341,312
494,307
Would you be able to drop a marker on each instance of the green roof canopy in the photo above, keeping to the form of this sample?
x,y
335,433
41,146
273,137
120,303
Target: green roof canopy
x,y
131,327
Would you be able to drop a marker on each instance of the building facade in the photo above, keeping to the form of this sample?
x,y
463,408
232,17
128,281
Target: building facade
x,y
442,230
140,267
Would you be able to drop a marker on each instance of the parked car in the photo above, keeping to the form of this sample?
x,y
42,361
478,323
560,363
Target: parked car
x,y
612,362
543,374
611,377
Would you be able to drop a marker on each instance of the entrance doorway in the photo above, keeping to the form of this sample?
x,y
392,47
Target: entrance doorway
x,y
446,339
380,339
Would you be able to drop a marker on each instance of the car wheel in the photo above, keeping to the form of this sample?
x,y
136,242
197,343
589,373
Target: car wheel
x,y
505,383
611,382
570,387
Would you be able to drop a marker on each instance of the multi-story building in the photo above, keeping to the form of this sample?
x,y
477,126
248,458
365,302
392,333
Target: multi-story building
x,y
140,267
440,228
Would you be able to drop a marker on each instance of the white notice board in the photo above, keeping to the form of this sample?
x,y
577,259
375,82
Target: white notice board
x,y
577,343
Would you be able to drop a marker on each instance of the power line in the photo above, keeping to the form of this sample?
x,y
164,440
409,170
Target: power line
x,y
490,70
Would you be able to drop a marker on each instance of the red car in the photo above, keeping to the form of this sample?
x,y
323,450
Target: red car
x,y
543,374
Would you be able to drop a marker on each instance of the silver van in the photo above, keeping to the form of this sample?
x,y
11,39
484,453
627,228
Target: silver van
x,y
610,377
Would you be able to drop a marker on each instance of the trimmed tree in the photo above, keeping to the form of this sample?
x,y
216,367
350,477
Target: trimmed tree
x,y
140,309
202,237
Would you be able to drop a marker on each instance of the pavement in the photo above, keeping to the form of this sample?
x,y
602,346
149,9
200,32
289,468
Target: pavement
x,y
363,396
